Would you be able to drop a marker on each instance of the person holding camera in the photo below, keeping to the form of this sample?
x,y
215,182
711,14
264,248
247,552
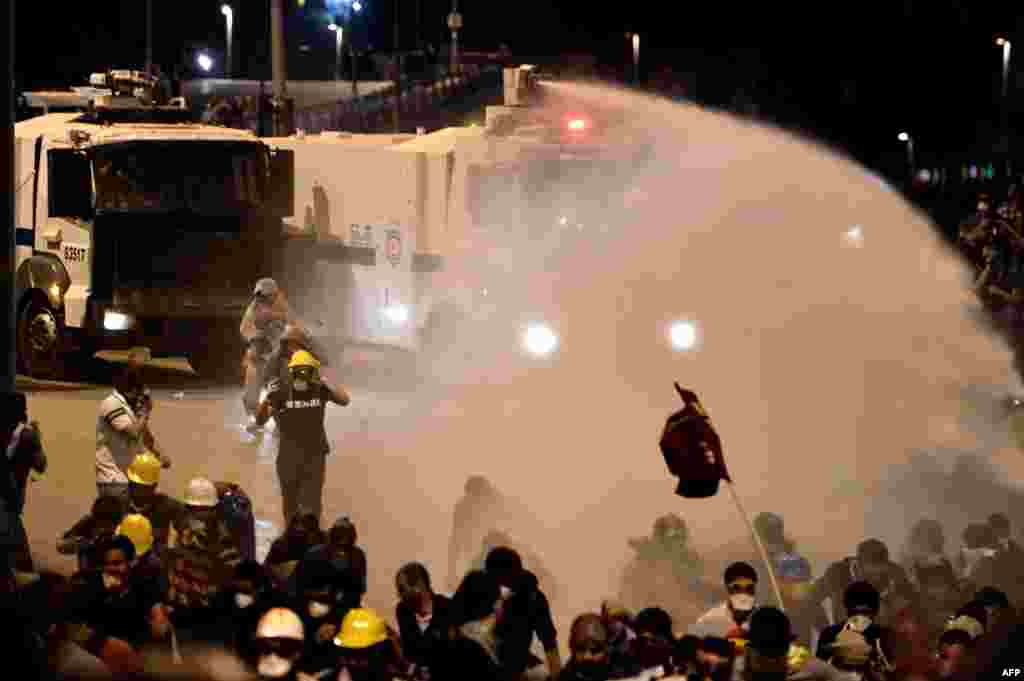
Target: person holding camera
x,y
22,454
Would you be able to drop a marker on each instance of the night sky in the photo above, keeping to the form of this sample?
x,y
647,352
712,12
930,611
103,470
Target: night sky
x,y
855,73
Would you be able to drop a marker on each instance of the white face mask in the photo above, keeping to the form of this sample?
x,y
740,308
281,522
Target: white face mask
x,y
244,600
112,582
859,623
301,386
505,592
273,666
317,609
741,602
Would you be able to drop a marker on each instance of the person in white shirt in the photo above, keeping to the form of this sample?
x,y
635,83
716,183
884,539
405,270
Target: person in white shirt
x,y
122,432
731,619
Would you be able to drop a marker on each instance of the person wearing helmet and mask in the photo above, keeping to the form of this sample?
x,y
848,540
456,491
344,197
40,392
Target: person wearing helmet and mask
x,y
871,564
295,338
122,430
858,644
199,526
144,499
147,566
279,642
262,325
807,619
367,650
667,570
730,620
299,407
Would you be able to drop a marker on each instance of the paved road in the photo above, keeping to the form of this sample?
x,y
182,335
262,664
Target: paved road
x,y
199,424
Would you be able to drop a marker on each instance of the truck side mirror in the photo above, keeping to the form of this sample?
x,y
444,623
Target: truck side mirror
x,y
69,184
281,189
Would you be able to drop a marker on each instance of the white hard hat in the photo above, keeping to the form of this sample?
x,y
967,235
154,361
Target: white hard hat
x,y
265,287
280,623
201,492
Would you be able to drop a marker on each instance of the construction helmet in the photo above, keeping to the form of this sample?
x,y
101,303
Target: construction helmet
x,y
145,469
303,359
280,623
265,287
201,492
139,530
361,628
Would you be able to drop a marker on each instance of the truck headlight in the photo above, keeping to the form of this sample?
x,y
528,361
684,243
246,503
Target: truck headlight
x,y
117,321
396,314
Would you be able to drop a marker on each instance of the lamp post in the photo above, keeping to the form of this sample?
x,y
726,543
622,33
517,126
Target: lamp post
x,y
339,34
229,17
1005,44
455,25
906,138
149,36
635,38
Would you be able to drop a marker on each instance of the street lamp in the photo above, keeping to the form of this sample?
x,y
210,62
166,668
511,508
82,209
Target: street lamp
x,y
1005,44
229,17
636,57
339,33
204,61
455,25
905,137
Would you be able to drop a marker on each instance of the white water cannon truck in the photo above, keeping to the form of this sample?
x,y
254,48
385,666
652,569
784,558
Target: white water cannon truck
x,y
137,226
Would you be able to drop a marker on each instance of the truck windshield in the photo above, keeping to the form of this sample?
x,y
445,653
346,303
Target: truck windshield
x,y
209,178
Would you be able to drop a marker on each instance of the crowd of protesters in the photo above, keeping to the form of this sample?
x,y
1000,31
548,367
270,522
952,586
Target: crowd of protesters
x,y
174,586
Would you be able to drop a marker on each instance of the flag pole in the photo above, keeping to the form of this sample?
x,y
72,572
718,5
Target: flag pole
x,y
759,543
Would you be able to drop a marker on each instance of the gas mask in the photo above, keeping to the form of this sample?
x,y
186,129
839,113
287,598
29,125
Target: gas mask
x,y
303,378
244,601
859,622
318,610
741,604
113,582
273,666
595,670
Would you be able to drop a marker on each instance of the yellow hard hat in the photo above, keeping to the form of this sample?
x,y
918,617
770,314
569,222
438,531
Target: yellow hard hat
x,y
361,628
145,469
301,358
139,530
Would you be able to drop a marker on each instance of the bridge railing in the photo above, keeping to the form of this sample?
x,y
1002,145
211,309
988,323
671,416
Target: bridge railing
x,y
417,101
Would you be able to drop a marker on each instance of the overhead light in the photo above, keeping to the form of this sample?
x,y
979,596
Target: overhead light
x,y
117,321
683,335
539,340
204,61
396,314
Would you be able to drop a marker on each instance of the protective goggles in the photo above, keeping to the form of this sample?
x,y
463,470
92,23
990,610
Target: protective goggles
x,y
307,374
283,647
741,586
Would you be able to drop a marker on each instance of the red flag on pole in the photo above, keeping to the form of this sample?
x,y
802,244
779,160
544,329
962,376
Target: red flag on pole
x,y
693,450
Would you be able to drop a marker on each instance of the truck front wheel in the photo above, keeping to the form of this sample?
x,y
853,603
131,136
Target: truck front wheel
x,y
40,340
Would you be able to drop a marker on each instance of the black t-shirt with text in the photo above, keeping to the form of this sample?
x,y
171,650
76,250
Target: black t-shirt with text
x,y
300,416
